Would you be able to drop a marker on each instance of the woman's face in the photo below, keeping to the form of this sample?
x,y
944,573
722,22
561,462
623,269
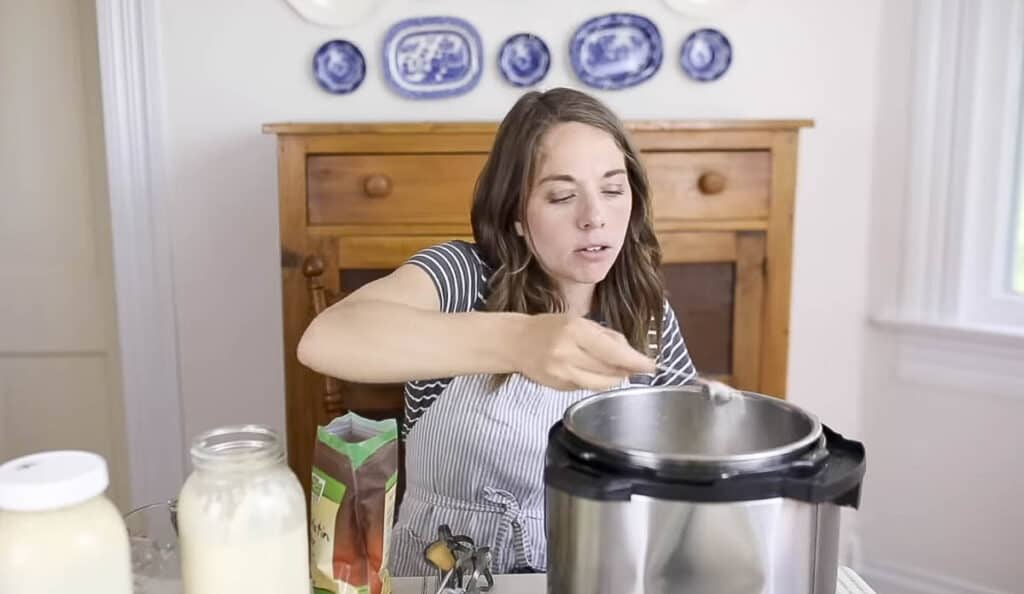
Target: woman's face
x,y
578,209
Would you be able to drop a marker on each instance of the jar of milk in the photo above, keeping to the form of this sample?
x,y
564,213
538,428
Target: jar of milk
x,y
242,516
58,532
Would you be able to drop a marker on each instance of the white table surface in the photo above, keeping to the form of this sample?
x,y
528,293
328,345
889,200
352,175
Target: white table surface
x,y
848,583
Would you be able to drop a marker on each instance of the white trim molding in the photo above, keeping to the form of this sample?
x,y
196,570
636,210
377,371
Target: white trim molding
x,y
956,357
934,200
128,32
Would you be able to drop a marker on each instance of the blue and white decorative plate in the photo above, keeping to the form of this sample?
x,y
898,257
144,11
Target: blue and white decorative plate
x,y
339,66
524,59
706,55
430,57
615,51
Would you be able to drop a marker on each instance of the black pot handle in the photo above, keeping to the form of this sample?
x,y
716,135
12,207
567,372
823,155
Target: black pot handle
x,y
839,478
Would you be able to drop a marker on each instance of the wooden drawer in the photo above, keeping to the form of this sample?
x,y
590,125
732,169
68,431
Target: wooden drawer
x,y
710,185
438,188
411,189
391,189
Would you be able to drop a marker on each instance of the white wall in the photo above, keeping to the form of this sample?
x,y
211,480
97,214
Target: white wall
x,y
59,376
941,510
229,71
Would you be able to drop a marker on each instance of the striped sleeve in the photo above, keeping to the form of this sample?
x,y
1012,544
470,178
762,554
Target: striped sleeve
x,y
458,274
675,366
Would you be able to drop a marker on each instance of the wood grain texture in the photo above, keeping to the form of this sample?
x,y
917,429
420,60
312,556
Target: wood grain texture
x,y
693,247
779,266
748,310
451,229
745,178
301,389
393,189
385,251
411,189
712,125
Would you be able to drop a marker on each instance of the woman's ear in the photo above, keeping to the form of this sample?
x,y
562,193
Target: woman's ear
x,y
518,227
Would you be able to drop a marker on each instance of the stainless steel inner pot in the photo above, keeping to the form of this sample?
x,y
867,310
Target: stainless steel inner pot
x,y
684,430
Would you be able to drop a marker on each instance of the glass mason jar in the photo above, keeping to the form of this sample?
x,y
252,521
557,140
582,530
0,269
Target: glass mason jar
x,y
58,531
242,516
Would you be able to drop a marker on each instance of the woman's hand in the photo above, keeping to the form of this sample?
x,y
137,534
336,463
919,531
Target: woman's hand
x,y
568,352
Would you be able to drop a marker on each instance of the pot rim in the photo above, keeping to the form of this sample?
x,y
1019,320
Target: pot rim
x,y
695,463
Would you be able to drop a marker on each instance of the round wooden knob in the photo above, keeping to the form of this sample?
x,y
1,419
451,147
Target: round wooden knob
x,y
711,183
312,266
377,186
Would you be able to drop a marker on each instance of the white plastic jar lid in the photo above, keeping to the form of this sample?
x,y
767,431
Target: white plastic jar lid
x,y
52,480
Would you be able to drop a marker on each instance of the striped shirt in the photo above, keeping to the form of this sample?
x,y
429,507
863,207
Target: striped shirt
x,y
461,277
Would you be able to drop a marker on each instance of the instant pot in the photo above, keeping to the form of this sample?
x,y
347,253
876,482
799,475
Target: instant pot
x,y
675,490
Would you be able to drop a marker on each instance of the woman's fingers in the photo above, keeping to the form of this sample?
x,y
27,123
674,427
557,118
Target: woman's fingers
x,y
570,352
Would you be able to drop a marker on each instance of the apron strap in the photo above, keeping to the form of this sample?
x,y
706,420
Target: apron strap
x,y
512,518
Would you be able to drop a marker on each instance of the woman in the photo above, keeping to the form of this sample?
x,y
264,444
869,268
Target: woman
x,y
559,297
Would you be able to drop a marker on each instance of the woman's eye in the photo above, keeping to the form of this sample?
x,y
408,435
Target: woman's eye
x,y
614,192
556,198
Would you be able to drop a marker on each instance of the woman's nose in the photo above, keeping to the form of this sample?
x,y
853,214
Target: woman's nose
x,y
590,215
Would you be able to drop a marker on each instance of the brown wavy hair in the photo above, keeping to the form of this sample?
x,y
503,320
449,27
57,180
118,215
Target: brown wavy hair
x,y
630,298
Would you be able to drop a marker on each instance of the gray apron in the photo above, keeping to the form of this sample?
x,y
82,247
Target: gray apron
x,y
475,461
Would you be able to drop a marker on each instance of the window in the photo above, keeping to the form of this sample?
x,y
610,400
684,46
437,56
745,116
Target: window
x,y
963,224
950,305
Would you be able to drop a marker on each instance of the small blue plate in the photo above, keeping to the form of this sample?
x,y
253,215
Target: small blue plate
x,y
706,55
339,66
524,59
616,50
432,57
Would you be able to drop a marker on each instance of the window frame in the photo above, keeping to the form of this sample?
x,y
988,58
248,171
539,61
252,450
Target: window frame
x,y
965,153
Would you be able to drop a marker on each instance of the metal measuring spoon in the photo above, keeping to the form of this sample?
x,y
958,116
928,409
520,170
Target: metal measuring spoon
x,y
717,391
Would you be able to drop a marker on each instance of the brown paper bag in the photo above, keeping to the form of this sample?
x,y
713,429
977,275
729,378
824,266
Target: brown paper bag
x,y
355,470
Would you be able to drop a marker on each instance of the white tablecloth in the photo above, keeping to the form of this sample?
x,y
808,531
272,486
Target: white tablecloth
x,y
848,583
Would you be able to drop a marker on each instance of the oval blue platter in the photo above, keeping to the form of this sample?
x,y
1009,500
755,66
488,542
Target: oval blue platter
x,y
432,57
339,66
706,55
524,59
616,51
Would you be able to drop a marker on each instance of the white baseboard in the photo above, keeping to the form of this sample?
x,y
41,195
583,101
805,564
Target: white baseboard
x,y
894,579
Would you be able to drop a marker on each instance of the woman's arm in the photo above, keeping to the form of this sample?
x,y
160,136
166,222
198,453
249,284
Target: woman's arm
x,y
392,330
